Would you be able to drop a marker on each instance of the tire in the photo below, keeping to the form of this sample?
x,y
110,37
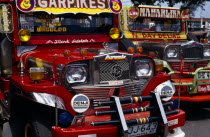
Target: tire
x,y
36,129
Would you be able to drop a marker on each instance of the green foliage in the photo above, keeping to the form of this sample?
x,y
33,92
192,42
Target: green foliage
x,y
190,4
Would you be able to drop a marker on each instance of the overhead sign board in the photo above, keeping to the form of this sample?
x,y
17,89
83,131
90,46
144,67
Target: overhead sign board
x,y
70,6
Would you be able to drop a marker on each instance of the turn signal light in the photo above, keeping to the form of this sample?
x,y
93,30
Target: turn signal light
x,y
114,33
24,35
67,53
131,50
36,73
139,50
83,52
159,65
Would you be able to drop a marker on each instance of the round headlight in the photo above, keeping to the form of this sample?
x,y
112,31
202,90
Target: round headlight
x,y
114,33
172,52
142,69
206,52
24,35
76,74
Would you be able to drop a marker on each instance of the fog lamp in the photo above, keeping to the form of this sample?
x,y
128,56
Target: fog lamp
x,y
65,119
24,35
36,73
114,33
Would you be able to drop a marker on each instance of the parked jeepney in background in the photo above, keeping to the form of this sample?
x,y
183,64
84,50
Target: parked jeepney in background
x,y
62,74
161,33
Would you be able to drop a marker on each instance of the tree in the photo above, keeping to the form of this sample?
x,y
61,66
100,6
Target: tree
x,y
192,5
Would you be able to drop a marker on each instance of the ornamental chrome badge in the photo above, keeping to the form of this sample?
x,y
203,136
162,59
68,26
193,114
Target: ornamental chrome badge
x,y
80,103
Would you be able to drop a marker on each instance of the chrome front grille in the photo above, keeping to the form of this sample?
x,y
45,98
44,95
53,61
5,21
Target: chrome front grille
x,y
100,93
134,88
188,66
95,93
114,70
194,52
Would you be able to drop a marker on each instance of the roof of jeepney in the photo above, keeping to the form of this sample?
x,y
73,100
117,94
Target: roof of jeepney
x,y
151,6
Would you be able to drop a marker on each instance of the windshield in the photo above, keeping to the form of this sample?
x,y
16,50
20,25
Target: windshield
x,y
154,25
41,22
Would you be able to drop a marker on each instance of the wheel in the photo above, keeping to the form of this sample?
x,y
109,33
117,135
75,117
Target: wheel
x,y
36,129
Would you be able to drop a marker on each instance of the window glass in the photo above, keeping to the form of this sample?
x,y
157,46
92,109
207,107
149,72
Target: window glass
x,y
40,22
154,25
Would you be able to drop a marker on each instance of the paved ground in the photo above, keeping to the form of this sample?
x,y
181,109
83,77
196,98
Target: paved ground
x,y
197,121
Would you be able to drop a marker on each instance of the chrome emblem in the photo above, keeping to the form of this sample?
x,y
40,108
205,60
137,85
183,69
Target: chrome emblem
x,y
116,71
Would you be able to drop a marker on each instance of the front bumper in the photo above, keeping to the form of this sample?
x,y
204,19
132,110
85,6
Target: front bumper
x,y
177,133
194,89
86,130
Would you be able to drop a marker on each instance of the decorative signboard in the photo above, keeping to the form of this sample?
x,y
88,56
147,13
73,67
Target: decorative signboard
x,y
133,12
155,12
70,6
6,25
185,15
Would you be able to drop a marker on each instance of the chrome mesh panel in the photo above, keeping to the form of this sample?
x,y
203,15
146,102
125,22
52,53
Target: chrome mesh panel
x,y
110,71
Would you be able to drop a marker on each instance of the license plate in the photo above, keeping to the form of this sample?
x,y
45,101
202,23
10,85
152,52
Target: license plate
x,y
203,75
144,129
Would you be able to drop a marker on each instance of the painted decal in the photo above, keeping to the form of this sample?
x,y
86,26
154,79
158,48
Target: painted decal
x,y
6,24
70,6
83,41
173,122
25,5
115,57
115,82
133,12
155,35
59,41
185,15
80,103
115,5
203,88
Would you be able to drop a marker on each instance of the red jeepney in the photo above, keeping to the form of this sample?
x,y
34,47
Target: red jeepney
x,y
62,74
161,33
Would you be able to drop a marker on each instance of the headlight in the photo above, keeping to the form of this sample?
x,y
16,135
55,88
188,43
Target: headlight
x,y
165,88
49,99
143,68
206,52
76,73
172,53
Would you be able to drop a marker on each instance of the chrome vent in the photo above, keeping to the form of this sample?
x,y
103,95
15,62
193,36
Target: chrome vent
x,y
117,70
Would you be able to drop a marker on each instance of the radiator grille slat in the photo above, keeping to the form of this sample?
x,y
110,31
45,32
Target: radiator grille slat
x,y
188,66
192,52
